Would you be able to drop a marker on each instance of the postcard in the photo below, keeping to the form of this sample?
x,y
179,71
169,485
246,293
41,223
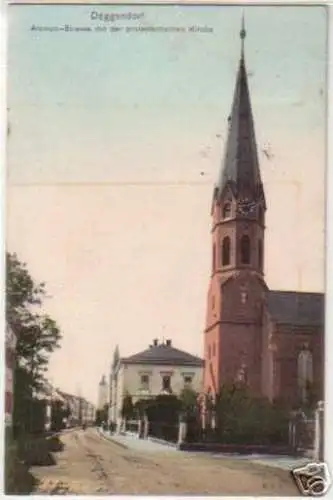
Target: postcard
x,y
165,249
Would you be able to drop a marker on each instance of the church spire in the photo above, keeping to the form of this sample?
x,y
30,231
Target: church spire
x,y
240,168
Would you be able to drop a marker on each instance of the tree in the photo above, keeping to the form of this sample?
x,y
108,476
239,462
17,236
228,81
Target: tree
x,y
127,409
37,334
189,399
102,415
58,414
244,419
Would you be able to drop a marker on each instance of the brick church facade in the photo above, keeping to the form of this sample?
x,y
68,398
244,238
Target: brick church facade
x,y
271,340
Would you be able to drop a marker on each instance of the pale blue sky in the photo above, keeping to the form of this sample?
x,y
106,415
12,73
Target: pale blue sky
x,y
125,264
72,94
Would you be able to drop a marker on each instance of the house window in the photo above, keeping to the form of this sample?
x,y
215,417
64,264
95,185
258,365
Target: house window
x,y
166,383
260,256
226,213
144,382
305,373
245,248
226,251
188,380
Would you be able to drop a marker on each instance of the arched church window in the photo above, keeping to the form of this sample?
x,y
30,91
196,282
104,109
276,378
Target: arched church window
x,y
214,258
260,254
226,251
226,213
245,248
261,214
304,373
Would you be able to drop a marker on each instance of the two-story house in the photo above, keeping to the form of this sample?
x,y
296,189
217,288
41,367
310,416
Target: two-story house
x,y
160,369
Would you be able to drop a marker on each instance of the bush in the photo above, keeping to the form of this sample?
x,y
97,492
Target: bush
x,y
163,415
127,410
242,419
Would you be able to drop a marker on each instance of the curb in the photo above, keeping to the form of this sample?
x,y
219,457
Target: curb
x,y
163,442
114,441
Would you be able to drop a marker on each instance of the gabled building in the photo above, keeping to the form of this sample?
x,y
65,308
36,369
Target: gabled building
x,y
160,369
272,340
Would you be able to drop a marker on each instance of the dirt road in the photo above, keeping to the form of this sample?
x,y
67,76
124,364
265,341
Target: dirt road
x,y
90,464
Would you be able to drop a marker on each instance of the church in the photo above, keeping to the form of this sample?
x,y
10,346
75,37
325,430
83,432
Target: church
x,y
271,340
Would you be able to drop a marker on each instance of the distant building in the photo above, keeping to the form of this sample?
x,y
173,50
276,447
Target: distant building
x,y
81,410
102,393
160,369
88,412
272,340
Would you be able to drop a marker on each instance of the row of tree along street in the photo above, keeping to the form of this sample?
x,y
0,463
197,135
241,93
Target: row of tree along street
x,y
38,336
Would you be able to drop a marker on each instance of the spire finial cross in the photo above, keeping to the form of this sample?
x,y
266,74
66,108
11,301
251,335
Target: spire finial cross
x,y
243,33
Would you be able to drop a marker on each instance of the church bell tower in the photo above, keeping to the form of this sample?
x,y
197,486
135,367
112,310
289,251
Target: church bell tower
x,y
232,337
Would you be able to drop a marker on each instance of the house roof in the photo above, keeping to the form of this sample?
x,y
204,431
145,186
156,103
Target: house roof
x,y
164,354
296,308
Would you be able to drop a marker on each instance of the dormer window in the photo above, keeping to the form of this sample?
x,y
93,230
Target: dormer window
x,y
226,212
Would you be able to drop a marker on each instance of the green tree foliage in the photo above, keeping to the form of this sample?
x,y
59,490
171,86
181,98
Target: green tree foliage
x,y
164,408
102,415
188,398
246,420
127,409
59,412
37,334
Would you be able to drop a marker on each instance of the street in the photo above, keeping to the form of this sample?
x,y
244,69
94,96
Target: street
x,y
90,464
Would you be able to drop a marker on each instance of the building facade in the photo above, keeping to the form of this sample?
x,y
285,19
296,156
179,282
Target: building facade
x,y
81,410
271,340
160,369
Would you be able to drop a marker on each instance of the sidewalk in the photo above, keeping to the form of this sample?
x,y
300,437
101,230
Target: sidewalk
x,y
150,445
132,442
277,461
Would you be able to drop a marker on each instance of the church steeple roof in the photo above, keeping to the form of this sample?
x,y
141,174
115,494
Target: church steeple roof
x,y
240,167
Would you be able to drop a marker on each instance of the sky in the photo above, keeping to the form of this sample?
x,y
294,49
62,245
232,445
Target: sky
x,y
116,140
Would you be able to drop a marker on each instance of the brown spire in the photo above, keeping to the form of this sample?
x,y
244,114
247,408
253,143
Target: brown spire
x,y
240,167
